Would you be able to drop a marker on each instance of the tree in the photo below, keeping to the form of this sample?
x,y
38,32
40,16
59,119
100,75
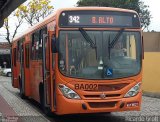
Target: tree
x,y
136,5
18,23
35,10
144,15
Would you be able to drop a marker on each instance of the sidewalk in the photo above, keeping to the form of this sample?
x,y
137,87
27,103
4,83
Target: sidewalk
x,y
13,107
7,113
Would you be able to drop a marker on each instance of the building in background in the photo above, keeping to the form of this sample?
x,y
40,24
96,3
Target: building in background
x,y
151,65
5,59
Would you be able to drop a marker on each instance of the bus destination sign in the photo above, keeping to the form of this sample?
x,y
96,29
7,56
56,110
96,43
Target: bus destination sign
x,y
98,19
113,20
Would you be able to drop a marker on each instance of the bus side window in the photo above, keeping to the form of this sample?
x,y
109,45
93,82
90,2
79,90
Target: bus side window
x,y
32,47
18,50
40,46
35,47
53,54
27,55
15,56
42,31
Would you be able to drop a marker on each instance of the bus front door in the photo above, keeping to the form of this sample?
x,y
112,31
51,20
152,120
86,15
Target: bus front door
x,y
21,79
48,103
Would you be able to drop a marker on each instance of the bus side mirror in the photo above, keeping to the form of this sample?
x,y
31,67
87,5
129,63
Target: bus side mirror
x,y
54,44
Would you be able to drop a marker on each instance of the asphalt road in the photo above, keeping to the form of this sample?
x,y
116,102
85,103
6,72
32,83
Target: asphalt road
x,y
29,110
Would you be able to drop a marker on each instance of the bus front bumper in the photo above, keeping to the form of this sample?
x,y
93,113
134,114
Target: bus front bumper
x,y
70,106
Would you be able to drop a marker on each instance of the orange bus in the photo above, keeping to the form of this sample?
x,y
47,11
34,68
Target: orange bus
x,y
81,60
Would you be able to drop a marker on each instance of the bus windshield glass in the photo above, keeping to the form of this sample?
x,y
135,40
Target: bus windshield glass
x,y
78,58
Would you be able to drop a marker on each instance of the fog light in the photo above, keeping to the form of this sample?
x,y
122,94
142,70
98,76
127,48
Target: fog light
x,y
122,105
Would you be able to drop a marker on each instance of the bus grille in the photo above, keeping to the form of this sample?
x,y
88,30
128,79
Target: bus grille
x,y
98,96
109,87
102,104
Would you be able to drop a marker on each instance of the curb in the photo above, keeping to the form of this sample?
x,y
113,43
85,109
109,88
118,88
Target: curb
x,y
151,94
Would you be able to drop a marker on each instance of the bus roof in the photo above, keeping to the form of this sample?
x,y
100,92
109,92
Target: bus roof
x,y
97,8
53,17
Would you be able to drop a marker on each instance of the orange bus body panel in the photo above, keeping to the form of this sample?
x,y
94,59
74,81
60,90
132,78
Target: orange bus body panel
x,y
55,99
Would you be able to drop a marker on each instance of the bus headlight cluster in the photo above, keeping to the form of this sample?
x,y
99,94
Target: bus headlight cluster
x,y
133,91
67,92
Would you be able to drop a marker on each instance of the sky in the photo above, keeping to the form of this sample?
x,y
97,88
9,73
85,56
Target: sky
x,y
153,7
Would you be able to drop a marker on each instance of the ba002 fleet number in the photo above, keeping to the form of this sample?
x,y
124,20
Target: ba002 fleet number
x,y
87,87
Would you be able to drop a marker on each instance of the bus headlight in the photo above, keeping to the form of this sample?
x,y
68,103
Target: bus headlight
x,y
133,91
67,92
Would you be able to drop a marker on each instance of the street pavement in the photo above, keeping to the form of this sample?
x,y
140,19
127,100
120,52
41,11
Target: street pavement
x,y
25,111
12,107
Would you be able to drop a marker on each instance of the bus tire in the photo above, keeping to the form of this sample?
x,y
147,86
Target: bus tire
x,y
46,110
22,95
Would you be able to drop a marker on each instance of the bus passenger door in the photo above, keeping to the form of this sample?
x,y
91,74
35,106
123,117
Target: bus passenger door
x,y
21,80
26,69
46,71
14,68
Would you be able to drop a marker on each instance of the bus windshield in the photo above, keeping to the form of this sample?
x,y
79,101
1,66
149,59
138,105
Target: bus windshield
x,y
78,58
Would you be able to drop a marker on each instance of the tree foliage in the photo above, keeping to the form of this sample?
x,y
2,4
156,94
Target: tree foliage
x,y
35,10
32,12
136,5
18,23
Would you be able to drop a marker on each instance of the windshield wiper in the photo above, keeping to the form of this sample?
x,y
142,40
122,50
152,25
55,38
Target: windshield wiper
x,y
111,44
95,46
87,37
